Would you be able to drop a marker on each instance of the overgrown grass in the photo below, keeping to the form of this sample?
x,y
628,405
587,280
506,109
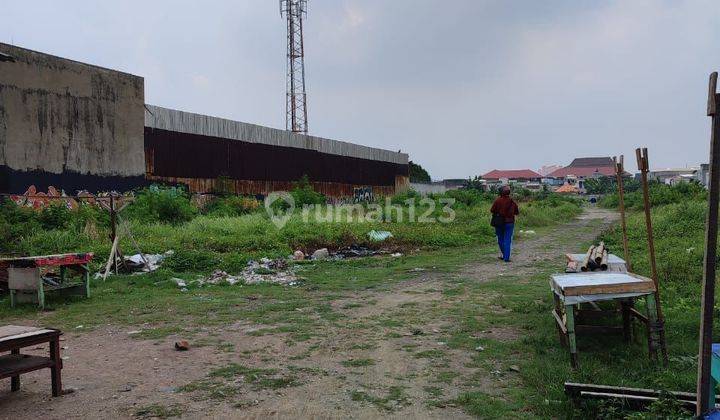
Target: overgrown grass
x,y
164,219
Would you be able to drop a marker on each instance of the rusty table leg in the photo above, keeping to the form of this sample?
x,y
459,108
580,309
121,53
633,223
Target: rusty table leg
x,y
56,367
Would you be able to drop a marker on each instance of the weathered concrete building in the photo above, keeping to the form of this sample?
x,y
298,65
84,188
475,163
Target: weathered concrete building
x,y
68,124
76,126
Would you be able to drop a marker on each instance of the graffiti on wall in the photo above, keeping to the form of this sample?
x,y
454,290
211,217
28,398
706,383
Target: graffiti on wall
x,y
363,194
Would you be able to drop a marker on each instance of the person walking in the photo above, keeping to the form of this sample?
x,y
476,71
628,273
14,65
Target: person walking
x,y
504,210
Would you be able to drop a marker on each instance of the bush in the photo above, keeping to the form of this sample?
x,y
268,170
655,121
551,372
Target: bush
x,y
231,206
660,194
303,193
56,215
16,223
162,204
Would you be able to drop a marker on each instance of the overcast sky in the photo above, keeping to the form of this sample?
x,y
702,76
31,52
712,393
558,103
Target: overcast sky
x,y
463,86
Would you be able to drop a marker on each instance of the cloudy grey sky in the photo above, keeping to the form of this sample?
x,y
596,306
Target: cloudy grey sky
x,y
464,86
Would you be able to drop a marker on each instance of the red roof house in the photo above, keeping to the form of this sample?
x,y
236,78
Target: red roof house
x,y
513,174
586,168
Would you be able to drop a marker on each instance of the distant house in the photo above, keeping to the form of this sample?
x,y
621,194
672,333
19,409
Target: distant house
x,y
518,175
522,177
673,176
581,169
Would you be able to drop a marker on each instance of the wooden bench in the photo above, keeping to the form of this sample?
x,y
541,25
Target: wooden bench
x,y
13,338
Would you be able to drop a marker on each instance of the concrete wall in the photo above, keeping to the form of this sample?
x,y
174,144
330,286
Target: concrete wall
x,y
68,124
426,189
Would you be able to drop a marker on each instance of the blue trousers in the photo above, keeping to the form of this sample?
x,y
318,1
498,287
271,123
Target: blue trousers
x,y
504,236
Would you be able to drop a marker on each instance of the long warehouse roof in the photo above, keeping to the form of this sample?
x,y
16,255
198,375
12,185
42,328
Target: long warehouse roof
x,y
190,123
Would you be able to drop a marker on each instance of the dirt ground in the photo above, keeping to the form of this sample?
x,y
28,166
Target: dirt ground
x,y
360,367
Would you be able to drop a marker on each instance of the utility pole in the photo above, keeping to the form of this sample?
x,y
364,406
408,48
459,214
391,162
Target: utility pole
x,y
295,101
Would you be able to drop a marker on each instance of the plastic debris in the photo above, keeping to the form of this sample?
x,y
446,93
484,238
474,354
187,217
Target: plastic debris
x,y
138,265
379,235
396,255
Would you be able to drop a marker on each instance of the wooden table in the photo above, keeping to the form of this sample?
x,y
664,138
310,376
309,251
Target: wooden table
x,y
13,338
570,290
25,281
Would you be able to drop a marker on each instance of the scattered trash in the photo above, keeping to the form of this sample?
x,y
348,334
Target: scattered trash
x,y
134,332
514,368
354,251
182,345
79,327
321,254
298,255
379,235
396,254
277,271
690,250
479,348
219,276
527,232
270,271
146,263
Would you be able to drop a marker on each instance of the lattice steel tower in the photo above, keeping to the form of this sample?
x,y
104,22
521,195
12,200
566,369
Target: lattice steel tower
x,y
296,100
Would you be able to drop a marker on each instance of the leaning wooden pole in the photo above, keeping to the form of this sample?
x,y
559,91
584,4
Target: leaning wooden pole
x,y
704,388
659,329
619,172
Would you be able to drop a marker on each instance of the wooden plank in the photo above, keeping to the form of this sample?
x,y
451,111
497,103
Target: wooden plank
x,y
707,308
15,364
39,332
602,289
559,321
574,389
10,330
601,283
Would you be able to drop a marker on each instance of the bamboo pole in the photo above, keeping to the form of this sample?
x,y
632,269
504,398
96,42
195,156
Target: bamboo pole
x,y
704,388
644,167
619,171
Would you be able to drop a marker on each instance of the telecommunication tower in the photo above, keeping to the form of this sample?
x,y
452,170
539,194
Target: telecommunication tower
x,y
296,100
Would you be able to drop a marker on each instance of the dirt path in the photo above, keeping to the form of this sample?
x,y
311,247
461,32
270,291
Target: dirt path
x,y
386,355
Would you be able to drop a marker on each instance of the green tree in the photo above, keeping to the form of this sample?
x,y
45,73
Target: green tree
x,y
418,173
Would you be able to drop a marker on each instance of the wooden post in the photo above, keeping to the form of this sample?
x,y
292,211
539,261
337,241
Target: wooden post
x,y
619,171
657,327
704,384
113,230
